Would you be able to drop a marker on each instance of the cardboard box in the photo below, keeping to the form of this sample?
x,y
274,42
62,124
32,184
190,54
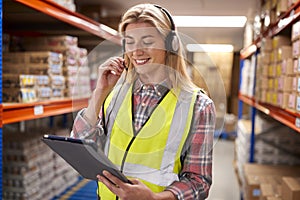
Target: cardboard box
x,y
292,101
270,190
295,31
49,43
266,57
284,52
296,48
287,67
33,57
298,103
272,70
279,41
253,183
37,69
274,198
290,188
281,7
266,44
256,174
297,66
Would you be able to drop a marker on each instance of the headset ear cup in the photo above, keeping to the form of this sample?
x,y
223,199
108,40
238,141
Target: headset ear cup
x,y
172,42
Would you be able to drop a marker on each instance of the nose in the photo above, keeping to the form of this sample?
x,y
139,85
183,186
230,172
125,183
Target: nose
x,y
137,48
138,52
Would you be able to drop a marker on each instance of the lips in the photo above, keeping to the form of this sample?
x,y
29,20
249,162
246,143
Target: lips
x,y
141,61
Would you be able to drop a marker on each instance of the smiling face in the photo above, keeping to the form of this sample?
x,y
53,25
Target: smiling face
x,y
145,47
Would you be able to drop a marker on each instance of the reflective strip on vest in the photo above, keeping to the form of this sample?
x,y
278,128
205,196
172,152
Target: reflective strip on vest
x,y
111,108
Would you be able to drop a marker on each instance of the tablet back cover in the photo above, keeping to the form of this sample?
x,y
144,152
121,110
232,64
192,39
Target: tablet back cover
x,y
84,159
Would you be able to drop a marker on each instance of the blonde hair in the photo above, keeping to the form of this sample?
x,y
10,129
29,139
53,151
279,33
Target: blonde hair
x,y
153,15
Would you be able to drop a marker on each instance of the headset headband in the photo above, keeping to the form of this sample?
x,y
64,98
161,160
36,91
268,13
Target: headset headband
x,y
167,13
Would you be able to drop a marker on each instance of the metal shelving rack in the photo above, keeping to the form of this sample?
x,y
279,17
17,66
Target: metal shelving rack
x,y
17,112
286,117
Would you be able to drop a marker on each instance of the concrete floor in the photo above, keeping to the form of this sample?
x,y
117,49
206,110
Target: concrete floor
x,y
225,185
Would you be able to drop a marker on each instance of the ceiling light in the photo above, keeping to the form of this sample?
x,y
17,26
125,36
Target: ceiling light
x,y
209,47
210,21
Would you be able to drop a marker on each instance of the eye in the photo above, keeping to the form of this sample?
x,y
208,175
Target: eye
x,y
148,41
129,41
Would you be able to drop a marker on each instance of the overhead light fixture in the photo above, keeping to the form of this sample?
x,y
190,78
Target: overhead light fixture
x,y
209,47
210,21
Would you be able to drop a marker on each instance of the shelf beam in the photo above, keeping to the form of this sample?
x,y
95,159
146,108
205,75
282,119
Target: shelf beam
x,y
284,116
17,112
73,18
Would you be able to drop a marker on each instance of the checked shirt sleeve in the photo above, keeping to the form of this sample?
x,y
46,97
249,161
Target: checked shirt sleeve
x,y
195,178
83,130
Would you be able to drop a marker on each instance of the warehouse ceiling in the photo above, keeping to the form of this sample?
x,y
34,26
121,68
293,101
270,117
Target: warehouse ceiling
x,y
234,36
19,19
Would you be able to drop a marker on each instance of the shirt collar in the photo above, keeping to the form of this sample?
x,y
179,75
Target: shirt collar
x,y
159,88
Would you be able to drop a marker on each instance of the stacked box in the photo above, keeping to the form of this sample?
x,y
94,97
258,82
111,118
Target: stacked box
x,y
31,170
262,70
49,43
276,79
77,73
290,188
275,144
248,77
28,73
281,7
295,96
270,190
266,181
75,65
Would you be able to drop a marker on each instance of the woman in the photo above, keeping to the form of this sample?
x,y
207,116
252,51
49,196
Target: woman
x,y
158,125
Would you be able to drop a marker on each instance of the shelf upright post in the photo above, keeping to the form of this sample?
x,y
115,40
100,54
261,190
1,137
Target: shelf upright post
x,y
1,107
253,113
240,106
252,136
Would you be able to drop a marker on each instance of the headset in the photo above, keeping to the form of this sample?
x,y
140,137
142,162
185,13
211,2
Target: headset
x,y
171,41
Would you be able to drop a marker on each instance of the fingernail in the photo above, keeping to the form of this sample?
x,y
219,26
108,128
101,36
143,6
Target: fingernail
x,y
105,172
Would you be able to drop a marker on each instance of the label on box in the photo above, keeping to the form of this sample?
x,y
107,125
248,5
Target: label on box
x,y
298,84
298,65
298,103
296,48
256,192
280,99
291,101
297,122
280,83
38,110
294,83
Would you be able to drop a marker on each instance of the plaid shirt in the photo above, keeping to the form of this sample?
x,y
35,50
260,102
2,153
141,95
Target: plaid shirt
x,y
196,175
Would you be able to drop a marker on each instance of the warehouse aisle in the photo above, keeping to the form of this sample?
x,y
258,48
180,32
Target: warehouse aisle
x,y
225,185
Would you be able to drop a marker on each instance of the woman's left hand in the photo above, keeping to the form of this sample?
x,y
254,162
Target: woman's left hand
x,y
126,191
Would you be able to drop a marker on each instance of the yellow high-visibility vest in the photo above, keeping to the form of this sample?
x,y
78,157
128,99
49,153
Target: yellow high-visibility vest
x,y
153,154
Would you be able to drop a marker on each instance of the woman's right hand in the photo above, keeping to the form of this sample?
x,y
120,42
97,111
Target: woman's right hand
x,y
109,73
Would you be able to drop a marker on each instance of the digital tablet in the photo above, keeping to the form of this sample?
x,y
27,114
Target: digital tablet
x,y
83,156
